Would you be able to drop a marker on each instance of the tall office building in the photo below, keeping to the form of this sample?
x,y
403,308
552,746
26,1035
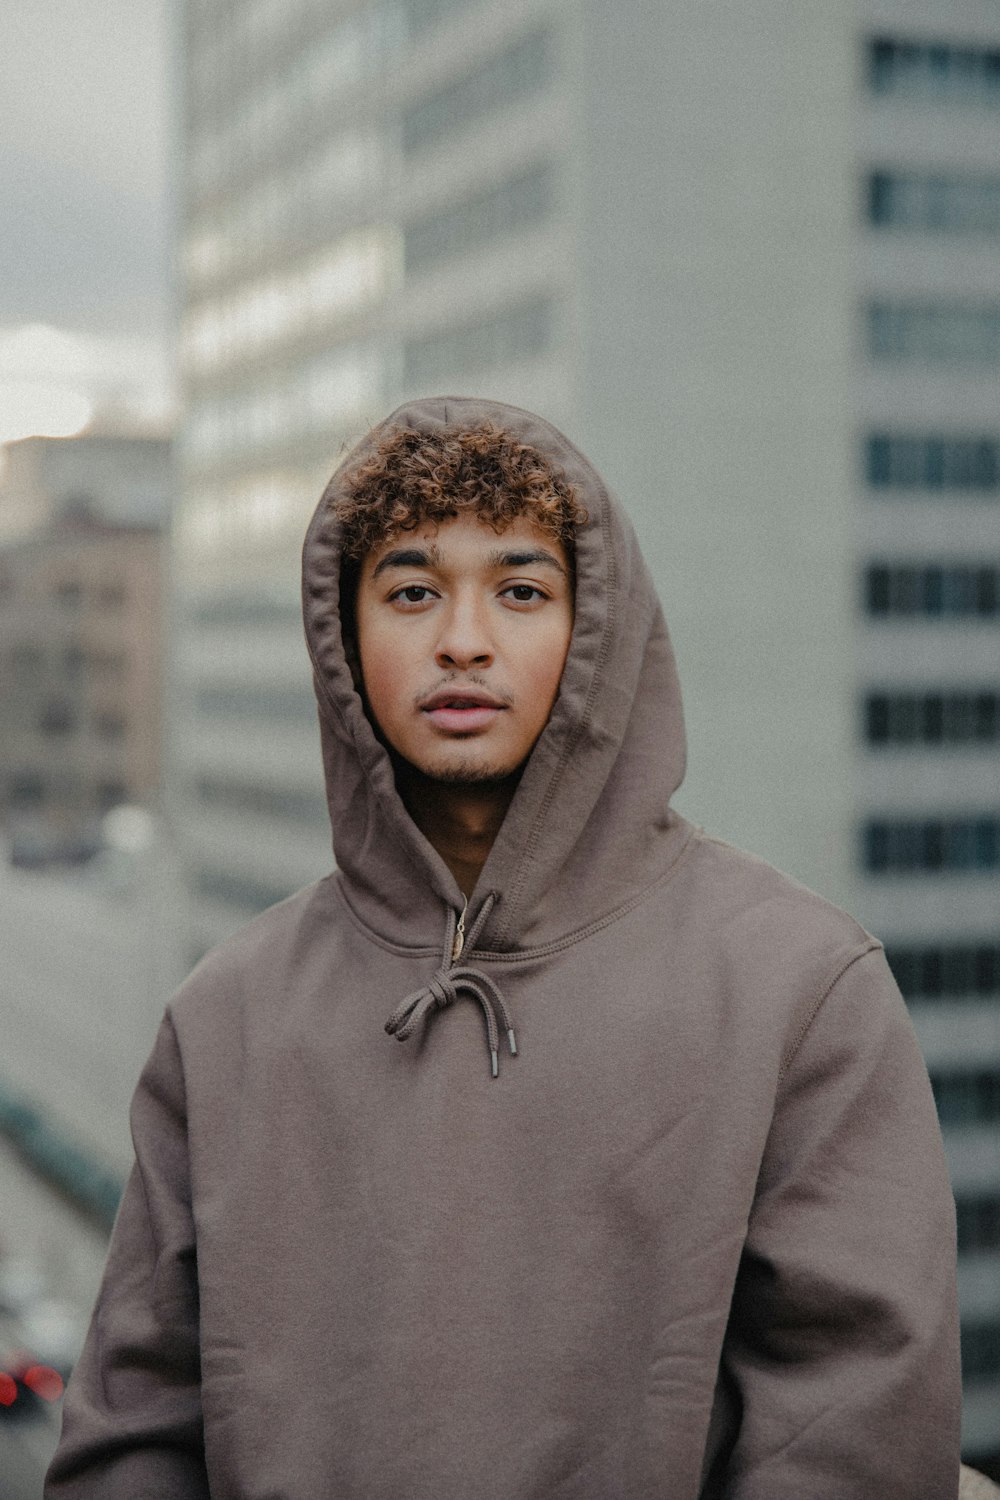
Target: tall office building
x,y
657,225
635,222
928,537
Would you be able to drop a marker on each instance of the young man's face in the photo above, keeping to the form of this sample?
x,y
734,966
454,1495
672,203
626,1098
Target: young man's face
x,y
462,636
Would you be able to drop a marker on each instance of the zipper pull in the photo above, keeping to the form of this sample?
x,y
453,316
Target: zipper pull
x,y
459,940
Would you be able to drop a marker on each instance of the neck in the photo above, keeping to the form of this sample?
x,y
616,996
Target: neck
x,y
460,819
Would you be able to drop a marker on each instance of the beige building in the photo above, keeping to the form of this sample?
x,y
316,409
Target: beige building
x,y
81,636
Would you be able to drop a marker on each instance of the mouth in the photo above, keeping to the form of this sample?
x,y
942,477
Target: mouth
x,y
462,710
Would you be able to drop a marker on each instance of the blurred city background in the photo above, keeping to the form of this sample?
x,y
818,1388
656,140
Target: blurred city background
x,y
747,255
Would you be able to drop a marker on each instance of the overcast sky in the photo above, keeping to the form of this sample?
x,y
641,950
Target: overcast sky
x,y
87,128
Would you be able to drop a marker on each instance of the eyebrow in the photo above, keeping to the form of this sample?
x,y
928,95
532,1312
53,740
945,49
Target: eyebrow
x,y
424,557
408,557
526,560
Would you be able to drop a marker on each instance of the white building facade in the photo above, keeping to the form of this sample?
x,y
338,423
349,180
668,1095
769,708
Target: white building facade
x,y
927,519
676,232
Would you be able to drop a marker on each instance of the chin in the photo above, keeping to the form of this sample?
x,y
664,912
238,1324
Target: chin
x,y
468,772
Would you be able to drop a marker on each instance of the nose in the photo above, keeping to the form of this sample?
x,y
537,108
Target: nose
x,y
463,640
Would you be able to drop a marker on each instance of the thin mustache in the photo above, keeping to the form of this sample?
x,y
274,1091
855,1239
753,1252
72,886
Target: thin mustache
x,y
468,681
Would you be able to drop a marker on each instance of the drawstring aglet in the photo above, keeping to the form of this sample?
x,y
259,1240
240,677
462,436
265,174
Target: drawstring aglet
x,y
513,1044
494,1061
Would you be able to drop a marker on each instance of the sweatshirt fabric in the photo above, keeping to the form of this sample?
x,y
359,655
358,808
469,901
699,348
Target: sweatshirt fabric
x,y
694,1239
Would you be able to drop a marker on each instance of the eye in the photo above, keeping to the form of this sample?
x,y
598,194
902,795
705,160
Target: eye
x,y
524,593
412,593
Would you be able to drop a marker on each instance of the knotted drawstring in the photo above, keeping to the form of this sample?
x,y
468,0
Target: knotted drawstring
x,y
450,982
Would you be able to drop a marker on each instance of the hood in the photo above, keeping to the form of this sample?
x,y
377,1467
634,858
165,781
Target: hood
x,y
590,827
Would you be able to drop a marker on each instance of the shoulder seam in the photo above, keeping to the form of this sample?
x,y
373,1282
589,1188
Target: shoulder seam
x,y
872,946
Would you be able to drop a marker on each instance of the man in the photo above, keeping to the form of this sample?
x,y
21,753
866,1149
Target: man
x,y
680,1228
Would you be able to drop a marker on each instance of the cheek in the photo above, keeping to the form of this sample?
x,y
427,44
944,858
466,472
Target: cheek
x,y
380,666
546,668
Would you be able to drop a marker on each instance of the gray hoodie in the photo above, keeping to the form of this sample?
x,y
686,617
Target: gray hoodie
x,y
694,1239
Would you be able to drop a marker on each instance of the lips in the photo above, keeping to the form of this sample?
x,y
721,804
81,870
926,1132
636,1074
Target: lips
x,y
462,710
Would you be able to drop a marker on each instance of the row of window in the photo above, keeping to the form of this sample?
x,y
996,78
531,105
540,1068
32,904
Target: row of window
x,y
317,397
292,104
284,703
258,798
909,846
522,332
70,594
945,71
978,1218
964,463
962,332
501,80
328,285
980,1351
525,199
238,890
970,718
28,660
255,507
959,203
967,1097
424,15
244,610
946,971
949,590
60,717
283,208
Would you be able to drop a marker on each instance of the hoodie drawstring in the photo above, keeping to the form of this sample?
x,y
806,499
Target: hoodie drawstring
x,y
451,981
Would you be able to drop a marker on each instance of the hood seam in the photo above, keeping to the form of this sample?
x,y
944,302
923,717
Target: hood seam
x,y
695,835
511,901
376,937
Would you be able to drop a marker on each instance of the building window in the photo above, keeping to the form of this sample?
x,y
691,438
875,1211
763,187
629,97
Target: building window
x,y
931,846
955,203
967,1096
934,70
936,590
518,333
523,200
968,718
245,610
980,1351
256,798
111,596
110,727
68,593
958,333
289,703
238,890
26,661
58,717
954,971
929,461
978,1222
499,82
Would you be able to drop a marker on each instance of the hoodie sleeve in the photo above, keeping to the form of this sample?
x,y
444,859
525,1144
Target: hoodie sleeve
x,y
841,1364
132,1421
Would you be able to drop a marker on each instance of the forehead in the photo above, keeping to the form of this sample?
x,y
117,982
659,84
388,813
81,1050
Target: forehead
x,y
465,540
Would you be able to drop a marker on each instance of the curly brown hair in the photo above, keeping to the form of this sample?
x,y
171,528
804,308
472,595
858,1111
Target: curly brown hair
x,y
411,477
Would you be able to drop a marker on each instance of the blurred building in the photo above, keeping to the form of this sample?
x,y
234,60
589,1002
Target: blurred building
x,y
748,257
81,626
635,222
117,477
927,514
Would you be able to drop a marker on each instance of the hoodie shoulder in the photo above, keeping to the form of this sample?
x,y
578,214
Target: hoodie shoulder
x,y
272,943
